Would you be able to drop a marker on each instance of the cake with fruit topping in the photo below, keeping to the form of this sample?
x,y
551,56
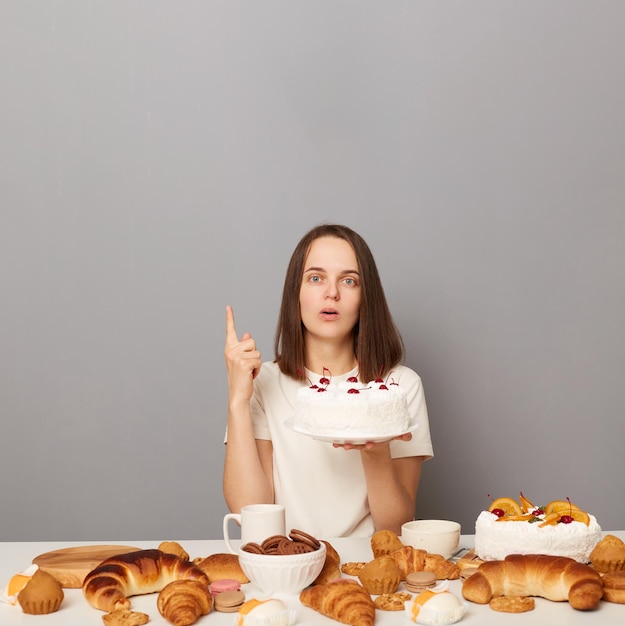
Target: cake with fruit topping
x,y
559,529
377,409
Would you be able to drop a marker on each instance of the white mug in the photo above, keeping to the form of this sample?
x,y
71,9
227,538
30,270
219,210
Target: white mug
x,y
257,521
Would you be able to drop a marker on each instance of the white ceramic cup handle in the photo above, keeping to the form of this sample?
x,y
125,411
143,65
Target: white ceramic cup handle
x,y
237,518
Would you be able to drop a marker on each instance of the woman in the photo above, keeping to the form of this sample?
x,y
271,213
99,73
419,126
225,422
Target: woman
x,y
334,317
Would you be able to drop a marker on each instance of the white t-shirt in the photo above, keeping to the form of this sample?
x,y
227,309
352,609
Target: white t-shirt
x,y
323,488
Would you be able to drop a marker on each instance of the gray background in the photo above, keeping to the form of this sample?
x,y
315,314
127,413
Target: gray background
x,y
159,160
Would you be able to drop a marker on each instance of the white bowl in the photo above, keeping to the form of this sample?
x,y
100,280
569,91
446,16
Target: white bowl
x,y
282,575
437,536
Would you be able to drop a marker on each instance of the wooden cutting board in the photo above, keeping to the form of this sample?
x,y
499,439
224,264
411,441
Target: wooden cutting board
x,y
70,565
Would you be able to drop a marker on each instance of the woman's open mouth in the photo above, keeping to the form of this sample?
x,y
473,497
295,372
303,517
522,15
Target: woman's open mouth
x,y
329,314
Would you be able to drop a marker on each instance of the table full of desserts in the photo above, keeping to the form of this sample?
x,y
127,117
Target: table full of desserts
x,y
16,557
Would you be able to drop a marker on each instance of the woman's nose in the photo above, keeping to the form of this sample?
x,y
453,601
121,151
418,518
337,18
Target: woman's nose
x,y
332,292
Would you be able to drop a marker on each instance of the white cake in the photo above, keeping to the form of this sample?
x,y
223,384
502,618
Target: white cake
x,y
374,409
494,540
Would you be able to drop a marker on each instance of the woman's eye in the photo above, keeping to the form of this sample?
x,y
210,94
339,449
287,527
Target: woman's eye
x,y
351,282
315,279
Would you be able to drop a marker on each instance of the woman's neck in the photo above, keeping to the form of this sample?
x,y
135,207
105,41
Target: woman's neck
x,y
321,356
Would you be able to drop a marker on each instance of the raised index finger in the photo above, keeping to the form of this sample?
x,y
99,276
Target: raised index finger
x,y
231,331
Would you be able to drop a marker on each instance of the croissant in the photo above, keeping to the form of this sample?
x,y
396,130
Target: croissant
x,y
411,559
441,567
108,586
331,568
182,602
343,600
331,552
556,578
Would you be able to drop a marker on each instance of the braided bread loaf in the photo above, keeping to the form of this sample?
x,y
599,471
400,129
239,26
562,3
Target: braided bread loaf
x,y
108,586
552,577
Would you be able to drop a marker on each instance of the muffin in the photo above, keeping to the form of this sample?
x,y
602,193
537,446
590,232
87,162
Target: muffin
x,y
42,594
608,555
382,575
384,542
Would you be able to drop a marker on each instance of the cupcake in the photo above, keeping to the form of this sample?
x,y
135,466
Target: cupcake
x,y
271,612
382,575
42,594
608,555
384,542
433,607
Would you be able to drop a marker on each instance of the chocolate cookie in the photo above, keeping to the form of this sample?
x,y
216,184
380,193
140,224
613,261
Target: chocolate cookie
x,y
298,547
271,544
255,548
300,535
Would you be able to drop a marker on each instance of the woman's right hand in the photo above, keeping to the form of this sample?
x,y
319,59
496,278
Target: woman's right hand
x,y
243,361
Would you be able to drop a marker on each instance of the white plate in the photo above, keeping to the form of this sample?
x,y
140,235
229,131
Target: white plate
x,y
351,437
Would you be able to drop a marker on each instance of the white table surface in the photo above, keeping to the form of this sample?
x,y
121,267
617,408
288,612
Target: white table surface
x,y
16,556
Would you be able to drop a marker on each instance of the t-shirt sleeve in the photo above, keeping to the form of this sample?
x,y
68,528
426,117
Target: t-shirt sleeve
x,y
421,442
259,419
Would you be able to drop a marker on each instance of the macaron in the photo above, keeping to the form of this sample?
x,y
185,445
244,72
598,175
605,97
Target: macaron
x,y
224,584
418,581
229,601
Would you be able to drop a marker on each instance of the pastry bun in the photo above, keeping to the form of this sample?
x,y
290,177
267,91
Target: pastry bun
x,y
222,565
108,586
555,578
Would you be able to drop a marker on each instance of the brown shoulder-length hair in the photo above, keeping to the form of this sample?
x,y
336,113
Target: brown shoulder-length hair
x,y
378,346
